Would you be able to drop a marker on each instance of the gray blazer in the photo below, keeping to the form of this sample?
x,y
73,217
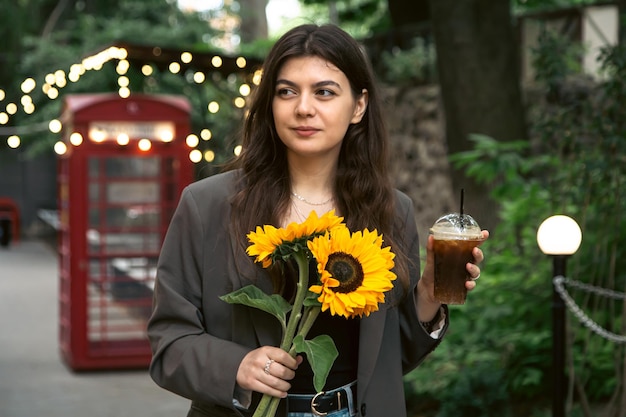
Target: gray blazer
x,y
198,340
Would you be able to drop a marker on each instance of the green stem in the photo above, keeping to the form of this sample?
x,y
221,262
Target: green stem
x,y
263,407
268,405
308,319
301,291
271,410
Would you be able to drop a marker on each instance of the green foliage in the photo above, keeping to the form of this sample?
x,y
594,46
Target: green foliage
x,y
574,164
252,296
321,354
259,48
477,392
358,17
152,22
555,58
521,6
414,66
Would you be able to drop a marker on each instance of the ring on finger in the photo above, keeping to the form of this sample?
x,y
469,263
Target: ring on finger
x,y
267,366
477,276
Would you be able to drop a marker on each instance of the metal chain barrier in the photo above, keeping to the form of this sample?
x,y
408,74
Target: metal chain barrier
x,y
559,285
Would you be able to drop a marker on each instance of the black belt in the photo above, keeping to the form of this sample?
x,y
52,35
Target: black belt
x,y
321,403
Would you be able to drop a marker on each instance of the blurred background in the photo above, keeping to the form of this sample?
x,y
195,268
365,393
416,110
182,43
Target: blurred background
x,y
520,104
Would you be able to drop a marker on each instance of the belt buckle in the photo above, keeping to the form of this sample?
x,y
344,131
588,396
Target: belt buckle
x,y
313,404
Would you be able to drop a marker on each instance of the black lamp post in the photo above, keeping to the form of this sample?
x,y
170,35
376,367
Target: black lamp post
x,y
559,237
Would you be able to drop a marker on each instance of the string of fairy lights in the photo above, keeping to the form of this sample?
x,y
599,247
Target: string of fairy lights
x,y
55,81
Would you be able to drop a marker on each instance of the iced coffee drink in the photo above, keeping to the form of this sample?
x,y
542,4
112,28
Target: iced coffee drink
x,y
455,236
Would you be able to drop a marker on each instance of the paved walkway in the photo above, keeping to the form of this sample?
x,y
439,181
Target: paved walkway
x,y
33,379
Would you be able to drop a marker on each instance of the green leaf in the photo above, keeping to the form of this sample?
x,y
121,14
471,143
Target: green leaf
x,y
252,296
311,299
321,354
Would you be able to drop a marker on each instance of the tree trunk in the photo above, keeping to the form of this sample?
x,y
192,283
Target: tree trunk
x,y
405,13
479,76
253,20
621,4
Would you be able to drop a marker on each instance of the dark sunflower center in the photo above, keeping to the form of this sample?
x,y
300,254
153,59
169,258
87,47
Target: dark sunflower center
x,y
345,269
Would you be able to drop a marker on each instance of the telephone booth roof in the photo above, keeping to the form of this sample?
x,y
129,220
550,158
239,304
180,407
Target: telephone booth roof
x,y
137,107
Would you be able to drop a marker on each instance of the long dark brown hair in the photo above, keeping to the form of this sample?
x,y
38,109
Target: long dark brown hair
x,y
363,191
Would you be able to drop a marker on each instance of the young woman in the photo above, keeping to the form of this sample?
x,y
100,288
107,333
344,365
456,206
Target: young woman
x,y
314,139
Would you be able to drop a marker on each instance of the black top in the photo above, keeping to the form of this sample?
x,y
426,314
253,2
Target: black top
x,y
345,333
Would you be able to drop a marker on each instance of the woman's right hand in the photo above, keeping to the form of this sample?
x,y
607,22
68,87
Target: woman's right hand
x,y
267,370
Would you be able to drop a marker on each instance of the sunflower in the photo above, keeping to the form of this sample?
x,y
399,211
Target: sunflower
x,y
354,271
269,242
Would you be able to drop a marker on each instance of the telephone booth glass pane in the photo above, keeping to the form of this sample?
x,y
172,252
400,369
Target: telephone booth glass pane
x,y
130,203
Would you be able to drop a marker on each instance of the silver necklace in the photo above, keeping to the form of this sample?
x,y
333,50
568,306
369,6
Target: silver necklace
x,y
304,200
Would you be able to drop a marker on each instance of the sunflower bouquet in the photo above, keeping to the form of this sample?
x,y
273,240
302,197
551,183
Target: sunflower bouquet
x,y
353,273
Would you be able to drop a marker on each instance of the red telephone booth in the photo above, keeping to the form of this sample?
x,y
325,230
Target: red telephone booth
x,y
119,182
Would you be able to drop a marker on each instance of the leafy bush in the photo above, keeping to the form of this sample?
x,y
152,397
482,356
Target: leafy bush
x,y
414,66
480,391
574,164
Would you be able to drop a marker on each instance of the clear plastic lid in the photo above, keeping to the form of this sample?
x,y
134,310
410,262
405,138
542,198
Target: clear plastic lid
x,y
456,226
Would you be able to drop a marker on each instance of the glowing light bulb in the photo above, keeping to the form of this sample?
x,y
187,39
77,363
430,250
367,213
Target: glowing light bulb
x,y
144,145
256,78
244,90
60,148
76,139
13,141
11,108
199,77
239,102
174,67
122,67
216,61
192,141
213,107
28,85
123,139
55,126
195,156
186,57
206,134
559,235
53,93
124,92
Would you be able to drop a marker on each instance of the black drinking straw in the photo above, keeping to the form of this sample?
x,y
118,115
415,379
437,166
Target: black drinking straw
x,y
462,219
462,195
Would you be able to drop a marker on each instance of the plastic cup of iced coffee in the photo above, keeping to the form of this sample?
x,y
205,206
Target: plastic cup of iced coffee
x,y
455,236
